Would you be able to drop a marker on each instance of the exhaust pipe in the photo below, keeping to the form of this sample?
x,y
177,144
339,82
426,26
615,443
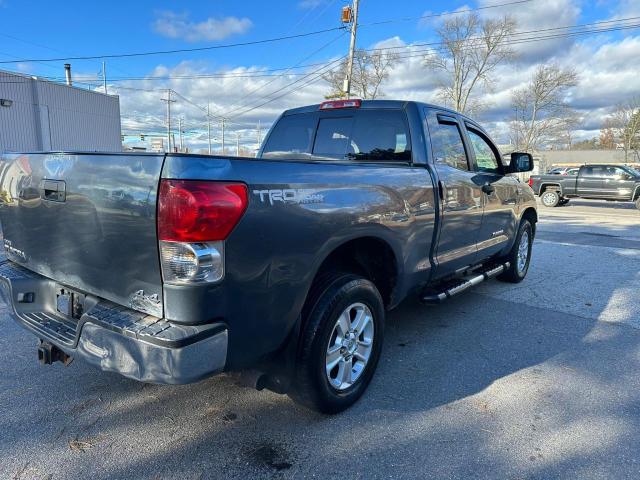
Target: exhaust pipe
x,y
48,354
67,73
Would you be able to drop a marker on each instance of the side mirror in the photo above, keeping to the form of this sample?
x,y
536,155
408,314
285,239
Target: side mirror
x,y
520,162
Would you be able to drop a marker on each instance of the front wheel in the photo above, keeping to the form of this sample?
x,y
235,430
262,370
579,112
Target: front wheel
x,y
638,203
550,198
520,255
340,344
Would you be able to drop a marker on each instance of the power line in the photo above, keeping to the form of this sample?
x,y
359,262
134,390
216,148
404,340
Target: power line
x,y
442,14
579,30
297,66
180,50
260,87
316,78
526,32
413,53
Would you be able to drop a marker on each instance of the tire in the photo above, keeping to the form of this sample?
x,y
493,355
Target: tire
x,y
550,198
318,384
518,270
638,203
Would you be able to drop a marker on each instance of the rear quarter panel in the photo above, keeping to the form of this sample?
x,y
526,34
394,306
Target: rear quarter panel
x,y
298,213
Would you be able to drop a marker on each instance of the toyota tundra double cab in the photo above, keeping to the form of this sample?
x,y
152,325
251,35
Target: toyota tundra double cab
x,y
169,268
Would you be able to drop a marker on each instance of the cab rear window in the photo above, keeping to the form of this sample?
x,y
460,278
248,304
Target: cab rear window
x,y
362,135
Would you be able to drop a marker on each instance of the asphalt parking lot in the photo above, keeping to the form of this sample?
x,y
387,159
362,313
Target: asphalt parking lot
x,y
535,380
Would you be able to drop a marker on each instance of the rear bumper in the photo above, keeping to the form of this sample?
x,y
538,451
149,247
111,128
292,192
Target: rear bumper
x,y
112,337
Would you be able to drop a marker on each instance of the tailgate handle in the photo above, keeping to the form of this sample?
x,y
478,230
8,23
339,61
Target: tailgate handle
x,y
54,190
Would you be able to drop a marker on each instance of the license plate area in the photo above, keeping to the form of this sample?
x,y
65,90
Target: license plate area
x,y
69,303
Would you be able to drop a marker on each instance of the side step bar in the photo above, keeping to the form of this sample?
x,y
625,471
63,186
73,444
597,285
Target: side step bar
x,y
465,284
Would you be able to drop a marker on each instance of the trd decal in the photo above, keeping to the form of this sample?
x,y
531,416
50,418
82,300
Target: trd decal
x,y
289,195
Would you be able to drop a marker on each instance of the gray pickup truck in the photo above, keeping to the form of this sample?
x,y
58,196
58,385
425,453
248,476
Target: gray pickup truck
x,y
171,268
604,182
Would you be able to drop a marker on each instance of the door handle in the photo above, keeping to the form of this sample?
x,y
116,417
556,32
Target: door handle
x,y
488,188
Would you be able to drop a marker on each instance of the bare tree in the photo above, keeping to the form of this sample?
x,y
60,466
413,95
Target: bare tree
x,y
607,140
470,51
562,138
625,122
541,110
369,71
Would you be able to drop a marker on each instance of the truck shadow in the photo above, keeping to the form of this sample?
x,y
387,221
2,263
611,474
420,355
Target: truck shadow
x,y
574,202
440,387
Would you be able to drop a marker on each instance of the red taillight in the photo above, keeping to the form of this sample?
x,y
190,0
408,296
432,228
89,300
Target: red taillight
x,y
340,104
531,182
199,211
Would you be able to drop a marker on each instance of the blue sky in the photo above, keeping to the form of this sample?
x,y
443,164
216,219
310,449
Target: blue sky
x,y
91,28
73,28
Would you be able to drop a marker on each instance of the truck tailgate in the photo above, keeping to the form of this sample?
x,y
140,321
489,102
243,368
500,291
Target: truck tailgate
x,y
87,221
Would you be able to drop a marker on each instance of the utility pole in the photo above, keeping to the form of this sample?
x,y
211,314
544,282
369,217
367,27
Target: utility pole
x,y
222,135
169,102
180,134
209,128
237,144
352,48
104,76
259,135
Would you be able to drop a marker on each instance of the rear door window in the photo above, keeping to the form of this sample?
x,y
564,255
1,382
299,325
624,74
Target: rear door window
x,y
292,136
447,145
593,172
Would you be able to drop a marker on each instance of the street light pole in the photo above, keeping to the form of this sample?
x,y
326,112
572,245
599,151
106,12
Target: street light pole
x,y
169,102
104,77
209,128
352,48
223,136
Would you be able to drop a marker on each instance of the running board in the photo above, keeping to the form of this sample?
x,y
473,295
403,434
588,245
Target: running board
x,y
465,284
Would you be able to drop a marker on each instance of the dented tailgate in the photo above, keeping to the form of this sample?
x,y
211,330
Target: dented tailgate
x,y
87,221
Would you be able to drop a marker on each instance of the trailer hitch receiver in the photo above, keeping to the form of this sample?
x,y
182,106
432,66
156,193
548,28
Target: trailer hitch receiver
x,y
48,354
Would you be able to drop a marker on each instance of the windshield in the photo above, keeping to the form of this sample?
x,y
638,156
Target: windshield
x,y
632,171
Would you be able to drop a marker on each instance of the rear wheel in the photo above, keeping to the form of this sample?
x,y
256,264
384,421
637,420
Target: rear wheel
x,y
520,255
340,345
550,198
638,203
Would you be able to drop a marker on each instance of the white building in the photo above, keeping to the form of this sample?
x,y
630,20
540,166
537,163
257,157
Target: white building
x,y
40,115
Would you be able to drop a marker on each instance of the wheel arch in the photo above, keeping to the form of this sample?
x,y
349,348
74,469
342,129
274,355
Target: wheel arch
x,y
544,186
531,214
371,256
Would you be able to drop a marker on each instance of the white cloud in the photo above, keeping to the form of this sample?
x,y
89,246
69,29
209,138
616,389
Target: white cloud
x,y
178,25
538,15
